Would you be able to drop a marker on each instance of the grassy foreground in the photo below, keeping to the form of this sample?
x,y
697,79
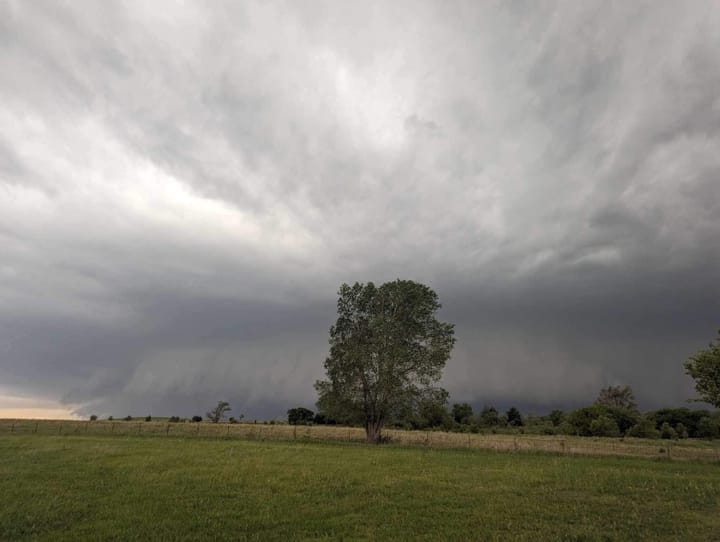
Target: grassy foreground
x,y
135,488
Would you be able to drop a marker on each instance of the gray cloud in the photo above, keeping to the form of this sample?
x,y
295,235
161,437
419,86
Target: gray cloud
x,y
184,187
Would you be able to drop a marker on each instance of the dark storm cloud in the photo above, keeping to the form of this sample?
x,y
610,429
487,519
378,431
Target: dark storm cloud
x,y
184,187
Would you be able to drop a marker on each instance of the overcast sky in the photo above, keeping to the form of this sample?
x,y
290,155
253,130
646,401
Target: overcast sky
x,y
185,185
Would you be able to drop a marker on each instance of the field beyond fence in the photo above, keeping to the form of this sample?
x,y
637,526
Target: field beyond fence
x,y
693,450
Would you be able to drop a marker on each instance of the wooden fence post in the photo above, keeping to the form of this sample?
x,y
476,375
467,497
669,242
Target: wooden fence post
x,y
167,430
36,427
60,430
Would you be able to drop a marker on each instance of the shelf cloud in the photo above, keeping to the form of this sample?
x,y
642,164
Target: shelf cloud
x,y
184,186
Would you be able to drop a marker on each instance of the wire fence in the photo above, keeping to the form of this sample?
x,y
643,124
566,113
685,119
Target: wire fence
x,y
689,450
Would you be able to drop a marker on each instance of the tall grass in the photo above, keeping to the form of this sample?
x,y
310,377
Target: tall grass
x,y
696,450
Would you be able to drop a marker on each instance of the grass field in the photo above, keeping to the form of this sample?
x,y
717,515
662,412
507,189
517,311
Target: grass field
x,y
137,488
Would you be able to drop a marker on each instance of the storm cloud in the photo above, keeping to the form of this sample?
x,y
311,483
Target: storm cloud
x,y
184,186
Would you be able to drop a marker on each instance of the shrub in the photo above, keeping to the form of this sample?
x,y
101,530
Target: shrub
x,y
604,426
174,419
645,428
709,427
232,419
110,418
667,432
197,418
148,418
128,418
93,418
681,431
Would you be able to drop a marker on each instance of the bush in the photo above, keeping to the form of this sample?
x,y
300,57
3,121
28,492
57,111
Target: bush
x,y
128,418
93,418
232,419
110,418
667,432
604,426
681,431
197,419
689,418
645,428
709,427
174,419
148,418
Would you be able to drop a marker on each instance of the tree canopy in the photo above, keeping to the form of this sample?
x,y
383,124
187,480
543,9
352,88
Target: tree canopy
x,y
218,413
704,367
617,397
387,352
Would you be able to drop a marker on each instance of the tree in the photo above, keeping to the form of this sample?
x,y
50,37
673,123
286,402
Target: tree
x,y
557,417
618,397
489,416
387,352
462,413
513,417
218,413
300,416
704,368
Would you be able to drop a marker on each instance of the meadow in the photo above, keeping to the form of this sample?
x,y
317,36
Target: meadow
x,y
86,486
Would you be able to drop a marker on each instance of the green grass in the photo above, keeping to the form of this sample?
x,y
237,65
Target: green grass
x,y
135,488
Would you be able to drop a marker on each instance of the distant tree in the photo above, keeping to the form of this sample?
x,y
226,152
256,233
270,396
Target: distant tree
x,y
709,427
681,431
300,416
128,418
93,418
430,411
513,417
218,413
174,419
667,432
196,418
322,419
645,428
685,416
148,418
110,418
557,417
617,397
704,368
387,350
462,413
489,417
604,426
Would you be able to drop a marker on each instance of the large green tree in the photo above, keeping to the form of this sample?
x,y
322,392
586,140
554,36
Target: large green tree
x,y
387,353
704,367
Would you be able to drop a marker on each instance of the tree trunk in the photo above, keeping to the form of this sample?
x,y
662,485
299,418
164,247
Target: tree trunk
x,y
373,431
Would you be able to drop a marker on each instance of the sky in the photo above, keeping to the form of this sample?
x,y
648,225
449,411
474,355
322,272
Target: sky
x,y
185,185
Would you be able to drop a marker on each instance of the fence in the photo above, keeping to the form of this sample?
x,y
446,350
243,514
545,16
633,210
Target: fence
x,y
681,450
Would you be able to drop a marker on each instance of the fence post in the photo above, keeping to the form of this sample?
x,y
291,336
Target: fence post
x,y
294,432
112,427
167,430
36,427
227,433
198,429
12,428
60,430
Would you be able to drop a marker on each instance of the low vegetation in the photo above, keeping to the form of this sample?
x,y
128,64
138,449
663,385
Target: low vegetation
x,y
61,488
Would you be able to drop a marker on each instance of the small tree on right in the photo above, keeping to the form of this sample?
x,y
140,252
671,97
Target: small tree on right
x,y
704,367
